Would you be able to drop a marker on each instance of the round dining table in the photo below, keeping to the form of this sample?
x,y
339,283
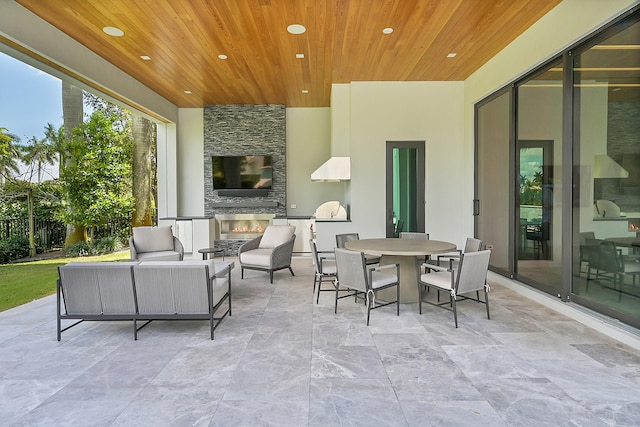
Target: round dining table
x,y
405,252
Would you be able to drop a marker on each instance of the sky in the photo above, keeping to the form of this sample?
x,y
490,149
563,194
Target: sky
x,y
29,99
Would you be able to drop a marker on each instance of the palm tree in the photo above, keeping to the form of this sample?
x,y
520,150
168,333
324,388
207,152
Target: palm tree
x,y
38,154
9,155
56,139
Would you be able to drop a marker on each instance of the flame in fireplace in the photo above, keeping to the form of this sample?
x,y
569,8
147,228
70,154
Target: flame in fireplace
x,y
247,227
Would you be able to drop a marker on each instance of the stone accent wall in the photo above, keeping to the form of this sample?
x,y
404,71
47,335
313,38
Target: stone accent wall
x,y
238,130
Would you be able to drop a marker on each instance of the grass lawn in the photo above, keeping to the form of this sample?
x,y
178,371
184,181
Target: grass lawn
x,y
25,282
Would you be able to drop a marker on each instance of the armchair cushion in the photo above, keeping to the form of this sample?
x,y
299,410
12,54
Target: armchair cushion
x,y
153,239
276,235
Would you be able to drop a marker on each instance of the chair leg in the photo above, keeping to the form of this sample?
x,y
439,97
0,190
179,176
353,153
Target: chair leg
x,y
337,285
241,273
271,276
368,309
398,299
420,298
455,311
315,279
486,301
291,270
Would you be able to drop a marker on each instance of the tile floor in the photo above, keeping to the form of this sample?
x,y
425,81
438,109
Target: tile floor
x,y
282,360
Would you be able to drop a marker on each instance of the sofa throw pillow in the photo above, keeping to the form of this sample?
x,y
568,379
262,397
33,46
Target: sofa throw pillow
x,y
275,235
153,239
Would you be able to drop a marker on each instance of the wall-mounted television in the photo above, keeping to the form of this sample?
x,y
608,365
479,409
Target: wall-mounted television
x,y
242,172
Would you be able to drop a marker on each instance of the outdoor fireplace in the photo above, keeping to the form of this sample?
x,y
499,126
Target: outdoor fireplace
x,y
242,226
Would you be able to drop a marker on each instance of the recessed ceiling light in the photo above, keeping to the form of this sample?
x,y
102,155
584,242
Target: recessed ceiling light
x,y
296,29
451,55
305,91
188,92
222,56
145,57
300,55
387,30
113,31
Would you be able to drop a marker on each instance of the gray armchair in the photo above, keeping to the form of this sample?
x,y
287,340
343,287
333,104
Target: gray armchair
x,y
270,252
155,244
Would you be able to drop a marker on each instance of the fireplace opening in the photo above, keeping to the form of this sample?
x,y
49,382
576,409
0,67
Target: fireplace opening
x,y
242,226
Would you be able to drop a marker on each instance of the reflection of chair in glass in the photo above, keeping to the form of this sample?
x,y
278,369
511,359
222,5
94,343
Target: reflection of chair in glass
x,y
538,233
325,269
470,276
354,274
341,239
584,256
608,261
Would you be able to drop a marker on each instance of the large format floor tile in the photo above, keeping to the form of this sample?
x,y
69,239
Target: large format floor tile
x,y
283,360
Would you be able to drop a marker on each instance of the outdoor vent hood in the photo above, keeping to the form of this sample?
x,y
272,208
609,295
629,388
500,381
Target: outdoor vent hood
x,y
333,170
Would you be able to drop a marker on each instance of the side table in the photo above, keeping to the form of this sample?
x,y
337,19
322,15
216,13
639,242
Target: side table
x,y
214,251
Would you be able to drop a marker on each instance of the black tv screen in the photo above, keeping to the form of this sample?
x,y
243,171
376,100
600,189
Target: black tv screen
x,y
241,172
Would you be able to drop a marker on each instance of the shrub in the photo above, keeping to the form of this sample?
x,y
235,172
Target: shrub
x,y
15,247
78,249
106,245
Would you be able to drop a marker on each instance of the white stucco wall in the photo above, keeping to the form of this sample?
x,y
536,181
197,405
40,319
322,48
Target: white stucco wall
x,y
190,161
411,111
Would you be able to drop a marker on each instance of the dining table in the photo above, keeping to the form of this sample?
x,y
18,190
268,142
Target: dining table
x,y
408,253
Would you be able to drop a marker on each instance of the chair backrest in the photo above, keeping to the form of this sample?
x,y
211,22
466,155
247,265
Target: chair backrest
x,y
173,287
341,239
603,255
414,235
472,271
98,287
582,239
153,239
276,235
351,268
314,256
472,245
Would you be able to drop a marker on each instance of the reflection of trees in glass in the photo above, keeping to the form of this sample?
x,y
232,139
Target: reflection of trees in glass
x,y
531,189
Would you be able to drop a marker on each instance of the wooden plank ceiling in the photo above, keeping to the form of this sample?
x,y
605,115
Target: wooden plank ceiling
x,y
343,42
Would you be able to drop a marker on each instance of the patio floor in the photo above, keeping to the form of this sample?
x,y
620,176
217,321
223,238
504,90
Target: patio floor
x,y
282,360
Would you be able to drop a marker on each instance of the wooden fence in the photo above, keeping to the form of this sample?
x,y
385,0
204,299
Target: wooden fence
x,y
51,234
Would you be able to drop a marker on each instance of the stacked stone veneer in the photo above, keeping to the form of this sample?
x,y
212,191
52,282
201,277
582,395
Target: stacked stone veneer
x,y
241,130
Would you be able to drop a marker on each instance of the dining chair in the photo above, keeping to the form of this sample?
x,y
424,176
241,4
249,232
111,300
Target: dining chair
x,y
417,236
360,280
470,276
325,269
342,239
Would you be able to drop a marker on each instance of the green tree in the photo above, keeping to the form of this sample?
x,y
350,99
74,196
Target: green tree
x,y
10,155
97,174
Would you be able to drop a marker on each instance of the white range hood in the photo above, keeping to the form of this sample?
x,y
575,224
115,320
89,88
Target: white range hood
x,y
335,169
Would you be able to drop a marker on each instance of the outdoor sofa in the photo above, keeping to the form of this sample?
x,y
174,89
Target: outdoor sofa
x,y
144,291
